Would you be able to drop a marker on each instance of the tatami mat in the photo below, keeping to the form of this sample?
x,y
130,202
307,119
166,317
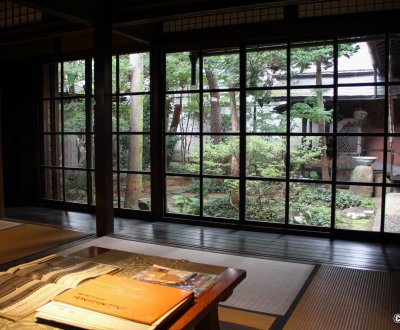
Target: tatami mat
x,y
25,240
343,298
270,286
4,224
234,319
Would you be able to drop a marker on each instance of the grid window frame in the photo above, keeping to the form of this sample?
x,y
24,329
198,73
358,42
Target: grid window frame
x,y
122,172
332,134
53,130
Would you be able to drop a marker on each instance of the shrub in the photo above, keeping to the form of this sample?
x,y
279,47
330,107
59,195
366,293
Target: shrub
x,y
220,207
368,203
186,205
265,210
345,200
209,186
320,216
315,215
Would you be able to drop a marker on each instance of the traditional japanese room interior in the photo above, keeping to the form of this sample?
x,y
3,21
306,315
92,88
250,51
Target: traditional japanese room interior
x,y
256,141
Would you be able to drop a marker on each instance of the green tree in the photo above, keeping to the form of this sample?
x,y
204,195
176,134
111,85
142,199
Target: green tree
x,y
134,184
320,57
74,74
181,108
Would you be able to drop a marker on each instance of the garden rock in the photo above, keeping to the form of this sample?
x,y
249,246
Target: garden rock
x,y
392,204
144,204
298,217
355,213
362,173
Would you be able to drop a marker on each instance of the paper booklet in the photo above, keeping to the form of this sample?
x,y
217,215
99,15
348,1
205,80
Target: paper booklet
x,y
192,281
79,317
27,286
119,297
164,275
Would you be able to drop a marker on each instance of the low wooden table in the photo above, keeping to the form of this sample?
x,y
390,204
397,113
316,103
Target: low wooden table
x,y
203,314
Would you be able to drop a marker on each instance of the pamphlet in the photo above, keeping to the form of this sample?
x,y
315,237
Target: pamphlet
x,y
126,298
191,281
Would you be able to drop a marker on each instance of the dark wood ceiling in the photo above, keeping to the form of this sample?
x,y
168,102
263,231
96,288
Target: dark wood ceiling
x,y
125,12
135,19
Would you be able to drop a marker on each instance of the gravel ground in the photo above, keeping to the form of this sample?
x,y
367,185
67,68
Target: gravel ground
x,y
392,224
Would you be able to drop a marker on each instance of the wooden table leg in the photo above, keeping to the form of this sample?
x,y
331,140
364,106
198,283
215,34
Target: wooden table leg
x,y
210,321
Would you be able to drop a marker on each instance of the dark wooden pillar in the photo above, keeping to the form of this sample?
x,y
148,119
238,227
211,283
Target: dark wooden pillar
x,y
103,125
1,154
156,133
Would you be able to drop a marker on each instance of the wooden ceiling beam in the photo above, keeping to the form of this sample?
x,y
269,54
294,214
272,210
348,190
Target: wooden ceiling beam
x,y
152,11
81,12
137,37
44,30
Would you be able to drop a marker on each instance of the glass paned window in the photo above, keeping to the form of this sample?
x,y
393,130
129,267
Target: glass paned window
x,y
131,132
361,60
311,64
67,148
310,204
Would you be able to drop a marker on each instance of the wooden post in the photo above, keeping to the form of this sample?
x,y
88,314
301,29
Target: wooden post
x,y
1,158
156,133
103,125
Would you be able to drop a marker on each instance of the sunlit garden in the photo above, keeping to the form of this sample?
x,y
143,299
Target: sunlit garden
x,y
247,135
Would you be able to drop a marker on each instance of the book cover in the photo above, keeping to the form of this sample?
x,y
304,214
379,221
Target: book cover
x,y
161,274
67,314
192,281
126,298
79,317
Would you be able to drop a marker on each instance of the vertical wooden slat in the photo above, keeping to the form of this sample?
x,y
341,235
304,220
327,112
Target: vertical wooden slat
x,y
1,155
103,125
157,94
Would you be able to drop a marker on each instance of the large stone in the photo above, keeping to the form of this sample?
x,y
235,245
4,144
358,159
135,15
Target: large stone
x,y
362,173
355,213
378,178
392,204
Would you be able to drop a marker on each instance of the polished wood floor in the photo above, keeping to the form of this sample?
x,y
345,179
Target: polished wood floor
x,y
294,248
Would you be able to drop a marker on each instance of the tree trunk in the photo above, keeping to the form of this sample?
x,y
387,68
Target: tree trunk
x,y
235,128
321,126
173,127
215,115
234,195
133,188
176,117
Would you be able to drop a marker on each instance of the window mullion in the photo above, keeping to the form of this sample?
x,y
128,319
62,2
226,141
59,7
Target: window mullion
x,y
287,134
88,116
201,136
61,105
334,128
242,137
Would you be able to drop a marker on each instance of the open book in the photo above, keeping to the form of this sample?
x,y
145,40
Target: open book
x,y
116,300
192,281
27,286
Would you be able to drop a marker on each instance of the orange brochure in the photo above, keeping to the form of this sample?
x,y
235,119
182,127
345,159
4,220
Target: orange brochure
x,y
126,298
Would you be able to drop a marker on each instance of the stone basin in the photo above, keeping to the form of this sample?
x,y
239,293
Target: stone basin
x,y
364,160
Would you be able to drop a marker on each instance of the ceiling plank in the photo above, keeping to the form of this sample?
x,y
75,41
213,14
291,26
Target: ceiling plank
x,y
44,30
72,10
123,32
124,13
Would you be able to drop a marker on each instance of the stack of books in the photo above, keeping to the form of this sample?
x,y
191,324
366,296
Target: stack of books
x,y
112,302
30,285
